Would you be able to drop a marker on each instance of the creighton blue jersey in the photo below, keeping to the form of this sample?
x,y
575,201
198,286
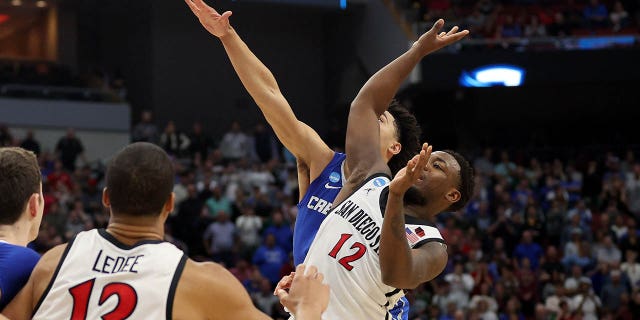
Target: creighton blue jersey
x,y
16,264
315,205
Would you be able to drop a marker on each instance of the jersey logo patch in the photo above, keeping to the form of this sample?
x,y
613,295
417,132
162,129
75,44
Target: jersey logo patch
x,y
413,238
379,182
328,186
334,177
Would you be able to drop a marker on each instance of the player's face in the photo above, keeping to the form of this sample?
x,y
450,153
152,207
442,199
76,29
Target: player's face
x,y
388,134
440,178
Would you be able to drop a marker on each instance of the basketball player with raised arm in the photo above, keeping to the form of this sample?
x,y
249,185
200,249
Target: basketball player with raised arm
x,y
320,170
377,240
127,271
21,208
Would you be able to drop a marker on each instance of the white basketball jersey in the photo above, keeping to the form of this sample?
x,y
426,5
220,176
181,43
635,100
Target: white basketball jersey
x,y
346,250
100,278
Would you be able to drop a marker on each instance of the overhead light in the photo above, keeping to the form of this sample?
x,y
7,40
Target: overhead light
x,y
41,3
16,3
493,75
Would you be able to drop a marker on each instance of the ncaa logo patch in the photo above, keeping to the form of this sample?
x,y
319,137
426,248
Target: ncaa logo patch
x,y
334,177
379,182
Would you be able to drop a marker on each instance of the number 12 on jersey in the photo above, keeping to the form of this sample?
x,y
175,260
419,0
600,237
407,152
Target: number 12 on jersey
x,y
127,300
345,261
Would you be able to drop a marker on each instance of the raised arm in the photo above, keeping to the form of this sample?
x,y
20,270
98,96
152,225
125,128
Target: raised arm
x,y
402,266
296,136
374,97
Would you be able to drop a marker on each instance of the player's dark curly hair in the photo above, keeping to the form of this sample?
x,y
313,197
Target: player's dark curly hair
x,y
408,132
467,181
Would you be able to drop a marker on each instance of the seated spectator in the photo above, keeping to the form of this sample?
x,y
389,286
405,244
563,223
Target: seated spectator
x,y
528,249
608,252
586,301
512,311
175,143
631,269
281,231
619,16
270,258
612,292
234,144
30,143
534,28
218,202
461,285
595,14
145,130
219,240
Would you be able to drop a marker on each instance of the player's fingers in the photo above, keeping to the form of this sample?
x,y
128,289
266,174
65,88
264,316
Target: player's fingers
x,y
437,26
300,269
311,271
204,6
442,34
226,14
458,36
282,295
453,30
192,6
320,276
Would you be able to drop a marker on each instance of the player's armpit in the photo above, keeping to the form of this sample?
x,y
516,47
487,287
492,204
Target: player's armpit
x,y
22,305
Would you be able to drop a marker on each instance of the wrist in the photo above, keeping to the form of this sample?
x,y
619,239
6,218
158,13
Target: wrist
x,y
228,35
308,311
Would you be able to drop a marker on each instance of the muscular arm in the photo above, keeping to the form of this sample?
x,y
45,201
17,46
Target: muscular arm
x,y
296,136
375,96
403,267
209,291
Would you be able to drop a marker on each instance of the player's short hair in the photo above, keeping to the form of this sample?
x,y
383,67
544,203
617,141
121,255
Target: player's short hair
x,y
466,181
408,132
20,178
139,180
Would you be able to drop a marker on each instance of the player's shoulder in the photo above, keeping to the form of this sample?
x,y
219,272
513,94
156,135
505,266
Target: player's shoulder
x,y
207,288
49,262
206,278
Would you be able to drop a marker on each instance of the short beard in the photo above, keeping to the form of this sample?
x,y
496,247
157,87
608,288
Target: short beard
x,y
413,197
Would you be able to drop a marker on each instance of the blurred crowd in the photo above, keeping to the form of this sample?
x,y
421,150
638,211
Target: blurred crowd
x,y
542,238
503,19
51,80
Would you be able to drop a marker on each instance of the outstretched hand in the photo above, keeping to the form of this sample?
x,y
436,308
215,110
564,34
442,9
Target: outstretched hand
x,y
307,292
407,176
435,39
217,24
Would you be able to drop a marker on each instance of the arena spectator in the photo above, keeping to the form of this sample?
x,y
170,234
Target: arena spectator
x,y
174,142
234,144
145,130
270,258
68,149
30,143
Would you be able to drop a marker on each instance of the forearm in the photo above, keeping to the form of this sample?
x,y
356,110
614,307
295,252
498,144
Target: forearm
x,y
255,76
383,85
395,255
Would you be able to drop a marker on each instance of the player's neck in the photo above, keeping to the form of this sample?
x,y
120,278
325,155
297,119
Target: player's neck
x,y
131,230
16,234
425,212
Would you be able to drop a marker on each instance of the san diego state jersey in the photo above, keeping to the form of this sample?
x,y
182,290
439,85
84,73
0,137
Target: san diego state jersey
x,y
100,278
315,205
346,250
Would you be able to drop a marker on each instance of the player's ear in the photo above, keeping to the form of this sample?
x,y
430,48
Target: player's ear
x,y
395,148
33,205
170,204
453,196
106,202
